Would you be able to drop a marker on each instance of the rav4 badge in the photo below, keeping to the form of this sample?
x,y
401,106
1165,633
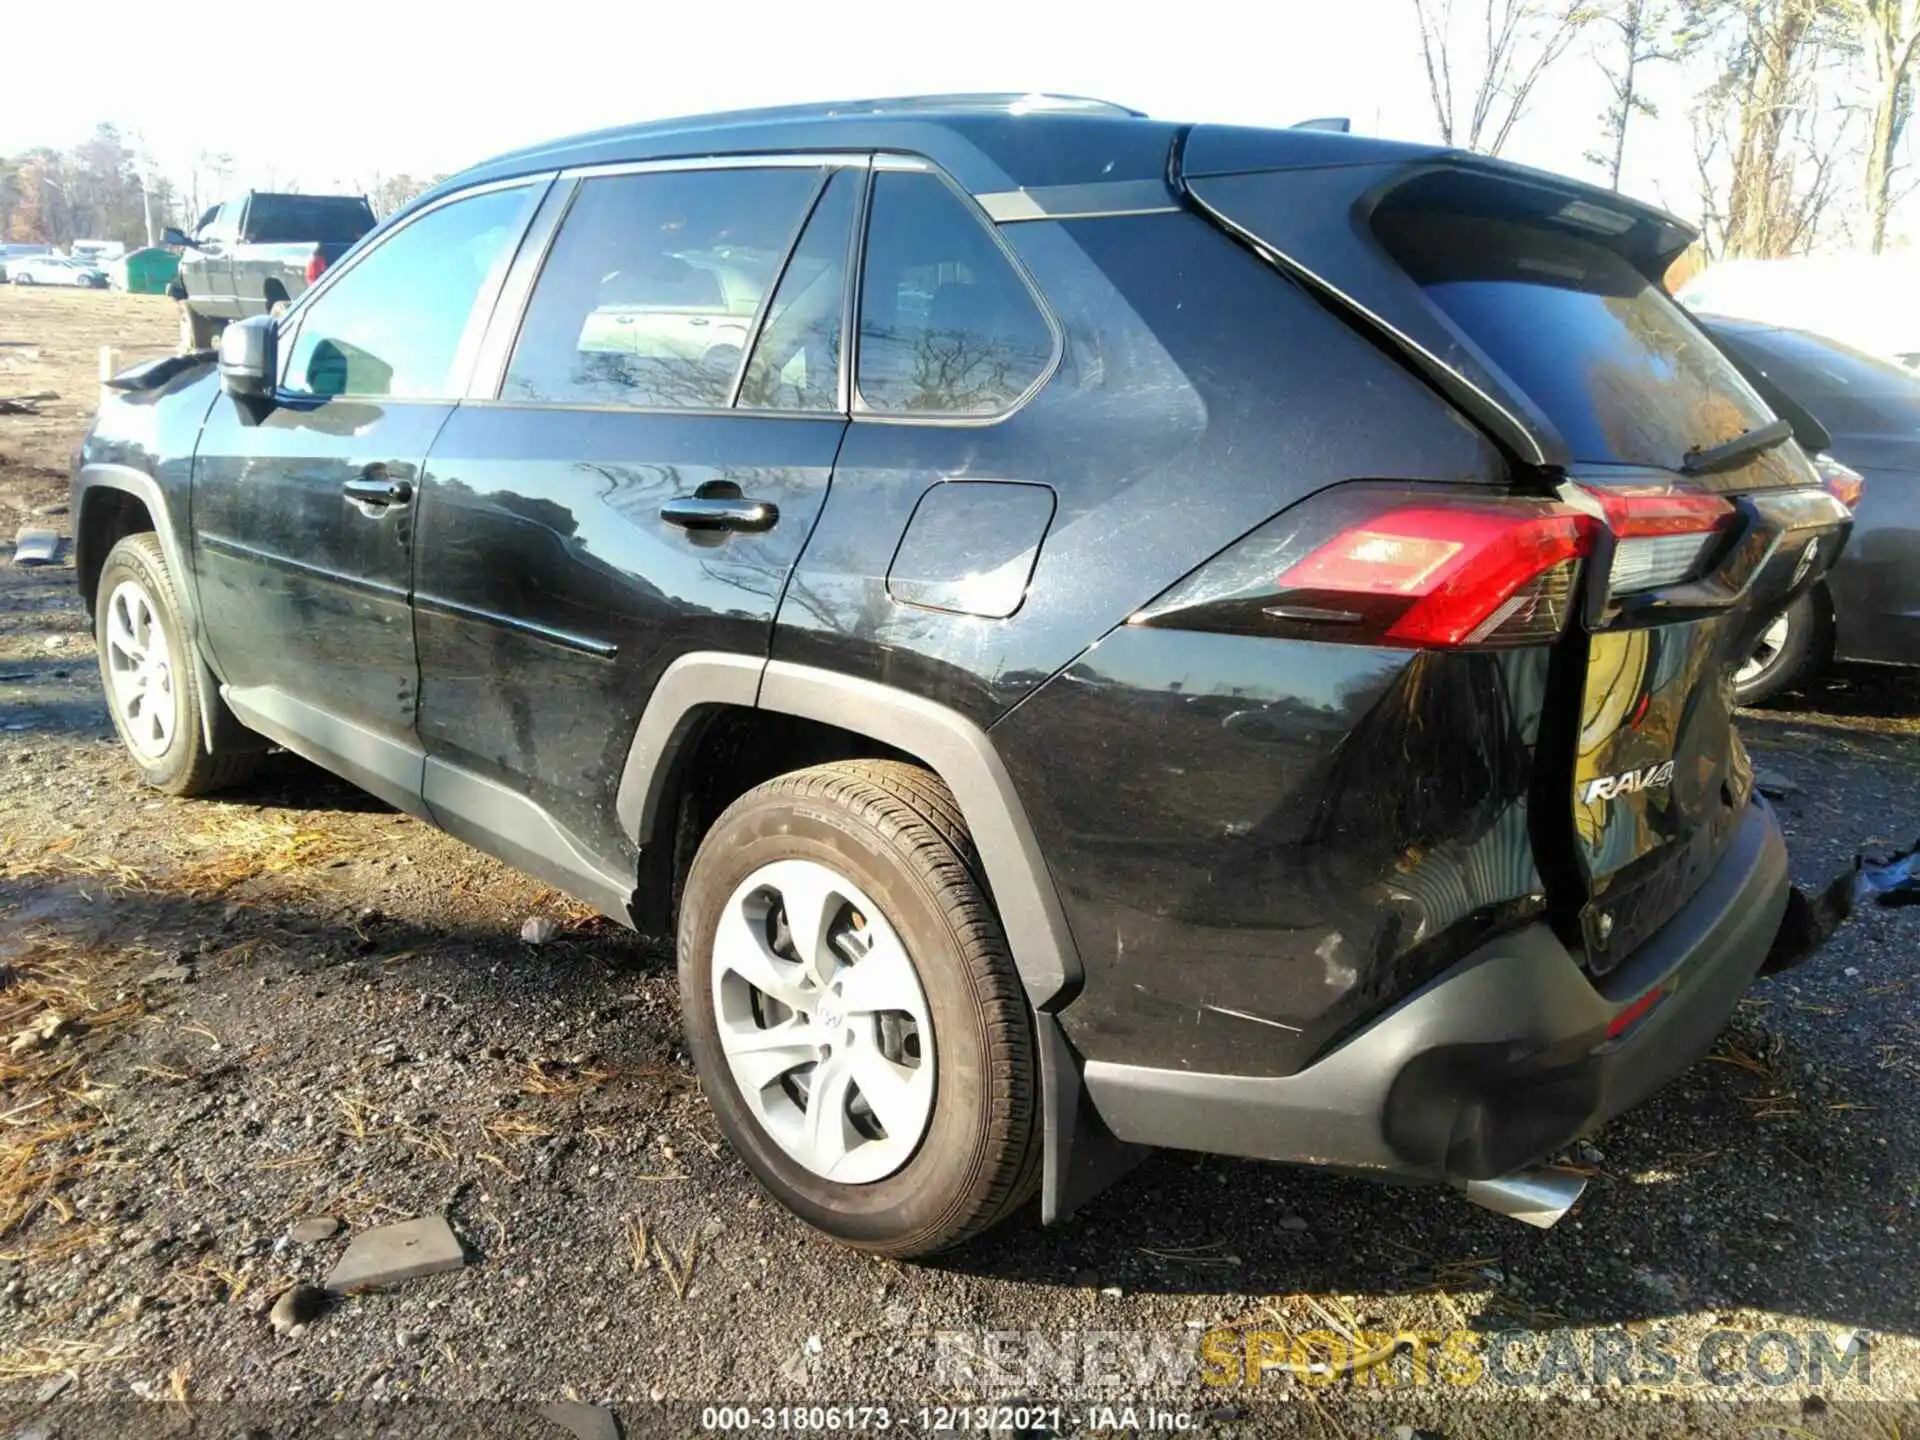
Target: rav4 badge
x,y
1629,782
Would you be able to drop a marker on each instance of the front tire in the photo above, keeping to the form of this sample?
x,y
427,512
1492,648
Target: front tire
x,y
151,675
838,950
1790,651
197,331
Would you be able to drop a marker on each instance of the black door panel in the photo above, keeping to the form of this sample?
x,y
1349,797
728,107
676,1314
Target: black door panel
x,y
304,589
553,592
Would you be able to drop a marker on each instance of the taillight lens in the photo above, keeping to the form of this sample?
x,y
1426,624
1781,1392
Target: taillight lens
x,y
1389,565
316,265
1843,482
1662,535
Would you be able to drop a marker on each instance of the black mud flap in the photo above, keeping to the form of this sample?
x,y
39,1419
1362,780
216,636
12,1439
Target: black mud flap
x,y
1811,920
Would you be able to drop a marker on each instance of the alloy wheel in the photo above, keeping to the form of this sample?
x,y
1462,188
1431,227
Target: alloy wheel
x,y
141,669
824,1024
1766,652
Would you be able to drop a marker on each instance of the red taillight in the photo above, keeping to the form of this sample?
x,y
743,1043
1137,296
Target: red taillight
x,y
1461,567
316,264
1370,563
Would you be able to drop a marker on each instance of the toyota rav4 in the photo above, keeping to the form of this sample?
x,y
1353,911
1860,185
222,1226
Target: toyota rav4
x,y
1128,634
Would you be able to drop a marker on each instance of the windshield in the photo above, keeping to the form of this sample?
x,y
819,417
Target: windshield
x,y
1847,392
1617,366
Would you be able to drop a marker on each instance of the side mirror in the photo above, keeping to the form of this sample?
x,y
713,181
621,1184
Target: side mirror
x,y
247,358
172,236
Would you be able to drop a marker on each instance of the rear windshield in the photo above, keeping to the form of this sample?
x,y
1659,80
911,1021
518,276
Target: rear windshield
x,y
1616,365
1847,392
321,219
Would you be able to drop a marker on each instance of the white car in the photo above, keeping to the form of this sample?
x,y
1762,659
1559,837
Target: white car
x,y
56,270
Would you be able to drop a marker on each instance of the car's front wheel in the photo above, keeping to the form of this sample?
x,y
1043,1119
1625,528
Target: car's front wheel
x,y
1790,650
23,279
197,331
148,670
853,1009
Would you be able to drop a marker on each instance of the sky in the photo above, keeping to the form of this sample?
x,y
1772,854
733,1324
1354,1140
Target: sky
x,y
334,102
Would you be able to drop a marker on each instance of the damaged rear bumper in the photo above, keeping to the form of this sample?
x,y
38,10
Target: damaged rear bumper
x,y
1501,1060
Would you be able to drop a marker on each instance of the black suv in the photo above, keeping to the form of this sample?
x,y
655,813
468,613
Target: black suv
x,y
1094,633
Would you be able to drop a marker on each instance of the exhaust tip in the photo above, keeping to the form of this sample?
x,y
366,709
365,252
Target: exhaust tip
x,y
1537,1197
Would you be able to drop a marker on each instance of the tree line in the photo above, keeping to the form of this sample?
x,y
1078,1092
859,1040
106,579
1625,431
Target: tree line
x,y
105,189
1796,136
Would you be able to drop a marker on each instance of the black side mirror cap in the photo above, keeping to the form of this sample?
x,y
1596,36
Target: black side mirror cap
x,y
171,236
248,358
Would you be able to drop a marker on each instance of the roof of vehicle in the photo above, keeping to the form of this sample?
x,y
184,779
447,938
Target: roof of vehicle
x,y
988,142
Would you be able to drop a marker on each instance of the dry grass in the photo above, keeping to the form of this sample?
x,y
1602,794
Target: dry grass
x,y
555,1080
237,846
40,1358
63,1009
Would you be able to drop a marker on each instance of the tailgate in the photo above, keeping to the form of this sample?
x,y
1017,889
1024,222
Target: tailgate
x,y
1534,303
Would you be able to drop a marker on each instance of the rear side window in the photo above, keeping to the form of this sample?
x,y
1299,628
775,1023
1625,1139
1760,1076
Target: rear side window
x,y
316,219
947,326
796,361
1615,364
650,292
1844,390
392,325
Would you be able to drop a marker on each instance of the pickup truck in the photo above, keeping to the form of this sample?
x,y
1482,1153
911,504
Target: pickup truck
x,y
254,255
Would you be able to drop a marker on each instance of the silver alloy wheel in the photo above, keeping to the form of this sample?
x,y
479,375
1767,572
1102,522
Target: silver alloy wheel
x,y
823,1022
1766,652
141,669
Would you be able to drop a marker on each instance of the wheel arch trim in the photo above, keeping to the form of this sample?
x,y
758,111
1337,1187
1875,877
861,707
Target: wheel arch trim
x,y
954,748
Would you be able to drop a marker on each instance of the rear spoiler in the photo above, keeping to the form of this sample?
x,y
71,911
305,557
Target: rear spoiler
x,y
1304,200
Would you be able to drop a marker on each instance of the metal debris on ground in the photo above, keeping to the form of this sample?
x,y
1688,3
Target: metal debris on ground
x,y
390,1254
35,545
25,404
538,930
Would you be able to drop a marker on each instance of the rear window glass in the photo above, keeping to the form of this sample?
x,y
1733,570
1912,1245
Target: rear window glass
x,y
321,219
1615,364
1846,391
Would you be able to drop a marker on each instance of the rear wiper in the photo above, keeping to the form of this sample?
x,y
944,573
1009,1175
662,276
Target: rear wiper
x,y
1731,452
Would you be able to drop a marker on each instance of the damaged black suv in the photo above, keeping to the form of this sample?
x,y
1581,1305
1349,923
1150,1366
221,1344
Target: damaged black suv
x,y
1094,633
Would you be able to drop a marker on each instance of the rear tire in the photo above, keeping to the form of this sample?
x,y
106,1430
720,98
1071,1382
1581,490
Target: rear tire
x,y
948,1141
1791,651
151,675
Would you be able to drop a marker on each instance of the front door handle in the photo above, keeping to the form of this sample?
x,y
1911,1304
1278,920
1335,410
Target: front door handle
x,y
713,512
378,491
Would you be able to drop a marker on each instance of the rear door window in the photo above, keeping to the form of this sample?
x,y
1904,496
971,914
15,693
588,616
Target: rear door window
x,y
316,219
796,361
947,325
651,291
1615,364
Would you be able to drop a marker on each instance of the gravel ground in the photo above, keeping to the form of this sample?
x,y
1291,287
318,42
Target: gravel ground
x,y
290,1002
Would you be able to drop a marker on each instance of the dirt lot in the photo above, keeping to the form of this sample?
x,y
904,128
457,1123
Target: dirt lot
x,y
290,1002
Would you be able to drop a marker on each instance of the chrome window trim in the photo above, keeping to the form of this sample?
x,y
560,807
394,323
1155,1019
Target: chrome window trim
x,y
768,160
602,407
1102,200
485,300
859,409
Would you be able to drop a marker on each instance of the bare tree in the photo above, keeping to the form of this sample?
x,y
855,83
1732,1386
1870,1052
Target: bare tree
x,y
1889,33
1764,146
1635,34
1518,41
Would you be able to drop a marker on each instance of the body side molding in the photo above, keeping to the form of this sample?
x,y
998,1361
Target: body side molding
x,y
378,764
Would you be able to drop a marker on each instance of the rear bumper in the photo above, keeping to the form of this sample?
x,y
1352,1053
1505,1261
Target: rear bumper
x,y
1496,1063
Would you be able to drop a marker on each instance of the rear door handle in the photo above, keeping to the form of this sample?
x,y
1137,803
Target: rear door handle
x,y
704,512
378,491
